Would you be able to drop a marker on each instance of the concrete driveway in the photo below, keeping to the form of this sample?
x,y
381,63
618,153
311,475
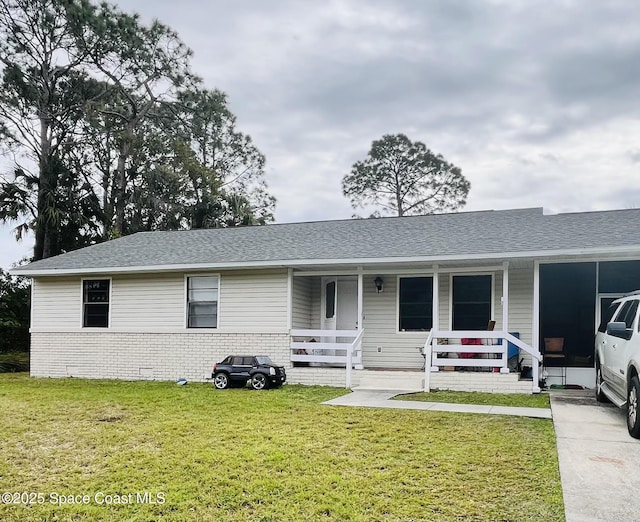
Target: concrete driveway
x,y
599,461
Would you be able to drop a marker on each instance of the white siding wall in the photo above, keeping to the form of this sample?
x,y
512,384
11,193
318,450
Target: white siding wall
x,y
397,349
253,301
250,301
521,303
57,303
444,318
301,306
316,298
497,299
147,301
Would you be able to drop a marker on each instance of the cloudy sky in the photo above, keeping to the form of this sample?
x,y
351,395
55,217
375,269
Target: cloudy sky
x,y
537,102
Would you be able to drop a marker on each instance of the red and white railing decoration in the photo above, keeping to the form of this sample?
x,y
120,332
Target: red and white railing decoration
x,y
491,351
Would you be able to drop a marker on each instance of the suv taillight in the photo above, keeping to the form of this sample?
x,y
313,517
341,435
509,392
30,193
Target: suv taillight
x,y
214,367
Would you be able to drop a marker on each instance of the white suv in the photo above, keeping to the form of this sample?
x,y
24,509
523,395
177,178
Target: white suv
x,y
618,359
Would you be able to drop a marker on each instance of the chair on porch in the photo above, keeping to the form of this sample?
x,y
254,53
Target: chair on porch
x,y
554,351
469,355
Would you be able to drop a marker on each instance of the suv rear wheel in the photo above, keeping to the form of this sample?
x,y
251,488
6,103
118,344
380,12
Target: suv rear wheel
x,y
633,417
221,380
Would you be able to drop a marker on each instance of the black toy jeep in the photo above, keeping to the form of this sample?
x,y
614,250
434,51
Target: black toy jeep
x,y
236,370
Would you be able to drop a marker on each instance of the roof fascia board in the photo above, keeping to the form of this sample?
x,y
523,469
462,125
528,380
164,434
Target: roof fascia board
x,y
294,263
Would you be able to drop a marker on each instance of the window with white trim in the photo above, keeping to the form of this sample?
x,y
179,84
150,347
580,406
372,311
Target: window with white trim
x,y
202,301
415,304
95,303
471,302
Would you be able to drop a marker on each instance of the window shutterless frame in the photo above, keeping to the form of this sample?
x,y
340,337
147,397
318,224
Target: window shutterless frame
x,y
492,304
202,301
94,308
408,307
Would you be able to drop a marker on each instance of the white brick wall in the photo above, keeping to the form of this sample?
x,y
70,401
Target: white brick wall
x,y
479,381
322,376
167,356
133,356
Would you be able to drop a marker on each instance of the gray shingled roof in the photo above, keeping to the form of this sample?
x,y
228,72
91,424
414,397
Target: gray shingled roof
x,y
441,236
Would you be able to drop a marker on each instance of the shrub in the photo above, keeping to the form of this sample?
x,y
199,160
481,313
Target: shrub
x,y
14,362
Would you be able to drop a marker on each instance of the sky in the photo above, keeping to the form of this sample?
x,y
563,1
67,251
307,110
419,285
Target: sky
x,y
537,102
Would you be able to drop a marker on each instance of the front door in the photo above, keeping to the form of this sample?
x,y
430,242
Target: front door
x,y
339,303
347,305
329,299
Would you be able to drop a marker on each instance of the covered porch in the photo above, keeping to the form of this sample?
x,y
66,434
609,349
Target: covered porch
x,y
416,319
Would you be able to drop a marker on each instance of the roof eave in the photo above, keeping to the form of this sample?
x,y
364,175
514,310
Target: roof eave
x,y
282,263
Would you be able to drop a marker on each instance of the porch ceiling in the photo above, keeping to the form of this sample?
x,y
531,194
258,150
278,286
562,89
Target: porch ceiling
x,y
386,267
517,262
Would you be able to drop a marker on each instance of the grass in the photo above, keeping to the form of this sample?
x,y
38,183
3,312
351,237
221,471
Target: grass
x,y
277,455
540,400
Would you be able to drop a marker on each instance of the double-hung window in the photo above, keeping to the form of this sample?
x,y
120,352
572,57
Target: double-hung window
x,y
95,303
415,304
471,301
202,301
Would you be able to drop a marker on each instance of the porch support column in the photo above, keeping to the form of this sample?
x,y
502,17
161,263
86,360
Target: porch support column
x,y
436,318
505,296
436,291
505,313
360,298
535,327
359,365
289,298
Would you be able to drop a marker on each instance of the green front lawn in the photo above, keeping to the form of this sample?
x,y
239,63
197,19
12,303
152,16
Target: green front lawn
x,y
276,455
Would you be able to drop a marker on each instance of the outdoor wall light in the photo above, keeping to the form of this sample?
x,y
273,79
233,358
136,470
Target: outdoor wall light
x,y
379,284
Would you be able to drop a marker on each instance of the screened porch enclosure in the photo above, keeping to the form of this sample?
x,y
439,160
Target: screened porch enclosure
x,y
575,299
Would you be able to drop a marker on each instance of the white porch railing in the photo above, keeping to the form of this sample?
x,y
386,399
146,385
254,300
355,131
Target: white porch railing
x,y
334,347
489,345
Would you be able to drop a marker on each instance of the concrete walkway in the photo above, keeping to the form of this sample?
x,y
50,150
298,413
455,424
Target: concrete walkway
x,y
599,461
382,399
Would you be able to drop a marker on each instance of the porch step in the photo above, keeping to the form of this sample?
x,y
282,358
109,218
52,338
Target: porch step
x,y
390,380
480,381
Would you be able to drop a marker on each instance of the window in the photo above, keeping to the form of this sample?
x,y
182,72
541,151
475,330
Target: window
x,y
95,303
202,302
330,300
627,313
471,302
415,304
606,313
242,361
